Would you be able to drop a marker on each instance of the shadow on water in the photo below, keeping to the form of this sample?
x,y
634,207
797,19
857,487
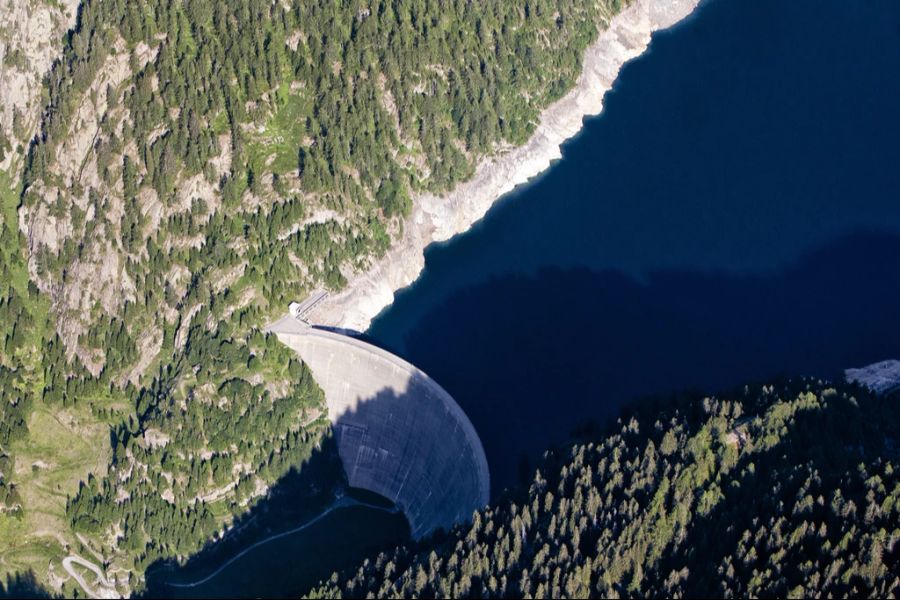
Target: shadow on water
x,y
701,232
530,358
308,525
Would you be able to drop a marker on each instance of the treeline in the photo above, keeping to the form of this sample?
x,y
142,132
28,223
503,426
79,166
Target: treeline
x,y
19,357
16,341
787,490
16,394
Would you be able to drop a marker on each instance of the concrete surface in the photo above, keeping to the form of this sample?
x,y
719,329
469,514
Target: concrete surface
x,y
399,434
298,310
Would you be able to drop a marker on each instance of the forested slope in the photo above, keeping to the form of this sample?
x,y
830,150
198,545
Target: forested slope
x,y
195,166
244,151
784,490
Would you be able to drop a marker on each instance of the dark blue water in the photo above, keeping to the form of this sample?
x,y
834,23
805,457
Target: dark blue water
x,y
733,215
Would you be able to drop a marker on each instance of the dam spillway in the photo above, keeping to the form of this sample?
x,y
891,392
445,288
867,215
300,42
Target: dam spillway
x,y
398,433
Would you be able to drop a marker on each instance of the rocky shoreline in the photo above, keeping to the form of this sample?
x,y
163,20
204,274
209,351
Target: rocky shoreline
x,y
437,218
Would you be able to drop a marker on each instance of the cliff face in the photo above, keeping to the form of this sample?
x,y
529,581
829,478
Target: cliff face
x,y
436,218
30,40
79,207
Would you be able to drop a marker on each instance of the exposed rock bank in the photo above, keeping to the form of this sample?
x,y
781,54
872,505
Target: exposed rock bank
x,y
30,40
437,218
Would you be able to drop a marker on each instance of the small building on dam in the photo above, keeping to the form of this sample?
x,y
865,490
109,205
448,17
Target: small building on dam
x,y
398,433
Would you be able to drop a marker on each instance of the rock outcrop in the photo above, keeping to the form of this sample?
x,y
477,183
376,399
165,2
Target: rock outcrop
x,y
30,40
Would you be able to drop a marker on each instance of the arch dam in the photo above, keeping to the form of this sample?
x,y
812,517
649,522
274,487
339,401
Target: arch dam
x,y
398,433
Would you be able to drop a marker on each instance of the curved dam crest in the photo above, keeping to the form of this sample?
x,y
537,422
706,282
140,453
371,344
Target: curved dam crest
x,y
399,434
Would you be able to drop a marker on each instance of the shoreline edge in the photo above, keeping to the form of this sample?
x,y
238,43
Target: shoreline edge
x,y
436,218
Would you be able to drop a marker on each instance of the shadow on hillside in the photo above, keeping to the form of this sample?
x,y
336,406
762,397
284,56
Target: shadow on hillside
x,y
24,585
330,540
531,358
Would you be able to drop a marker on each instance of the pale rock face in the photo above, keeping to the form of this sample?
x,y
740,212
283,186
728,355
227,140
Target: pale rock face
x,y
31,33
102,268
72,156
196,186
44,227
98,275
437,218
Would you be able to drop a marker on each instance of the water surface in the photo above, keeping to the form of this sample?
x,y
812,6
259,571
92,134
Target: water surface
x,y
734,214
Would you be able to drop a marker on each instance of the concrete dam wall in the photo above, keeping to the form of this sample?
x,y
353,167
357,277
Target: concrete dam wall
x,y
398,433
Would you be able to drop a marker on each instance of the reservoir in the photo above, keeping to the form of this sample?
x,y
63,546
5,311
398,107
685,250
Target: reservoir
x,y
732,216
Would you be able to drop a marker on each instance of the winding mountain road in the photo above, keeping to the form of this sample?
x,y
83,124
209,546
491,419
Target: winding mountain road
x,y
105,588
